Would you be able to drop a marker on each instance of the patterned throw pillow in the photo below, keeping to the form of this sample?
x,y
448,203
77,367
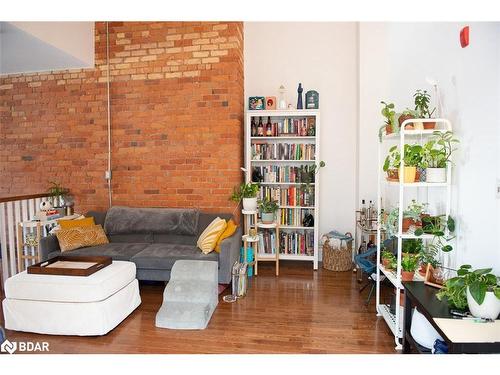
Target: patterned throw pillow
x,y
208,239
85,222
228,232
75,238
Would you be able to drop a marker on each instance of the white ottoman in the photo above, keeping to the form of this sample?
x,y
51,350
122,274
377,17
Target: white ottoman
x,y
71,305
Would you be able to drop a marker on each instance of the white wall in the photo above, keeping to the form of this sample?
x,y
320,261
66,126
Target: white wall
x,y
395,59
323,57
44,46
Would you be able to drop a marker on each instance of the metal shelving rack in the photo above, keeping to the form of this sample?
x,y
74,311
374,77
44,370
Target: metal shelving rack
x,y
249,163
394,321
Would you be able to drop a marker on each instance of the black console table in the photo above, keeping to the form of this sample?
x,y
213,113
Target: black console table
x,y
423,297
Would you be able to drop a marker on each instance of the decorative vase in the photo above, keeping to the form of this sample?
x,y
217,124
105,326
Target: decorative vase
x,y
299,98
407,275
250,204
410,174
282,100
434,175
490,308
267,217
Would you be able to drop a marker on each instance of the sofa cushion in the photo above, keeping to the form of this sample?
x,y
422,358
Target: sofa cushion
x,y
174,239
121,220
117,251
164,255
206,218
131,238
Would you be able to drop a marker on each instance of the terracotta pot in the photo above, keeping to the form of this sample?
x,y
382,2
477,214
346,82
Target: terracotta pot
x,y
407,275
417,176
403,118
386,263
393,175
429,125
408,222
410,174
388,129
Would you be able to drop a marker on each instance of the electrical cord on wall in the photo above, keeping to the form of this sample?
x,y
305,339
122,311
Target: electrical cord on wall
x,y
108,171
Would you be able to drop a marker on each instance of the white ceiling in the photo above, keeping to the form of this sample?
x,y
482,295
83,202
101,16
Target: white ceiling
x,y
44,46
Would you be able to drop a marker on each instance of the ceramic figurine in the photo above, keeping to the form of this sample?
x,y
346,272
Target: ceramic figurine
x,y
282,100
299,98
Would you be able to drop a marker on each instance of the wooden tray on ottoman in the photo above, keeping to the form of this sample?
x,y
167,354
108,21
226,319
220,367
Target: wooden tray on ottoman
x,y
70,265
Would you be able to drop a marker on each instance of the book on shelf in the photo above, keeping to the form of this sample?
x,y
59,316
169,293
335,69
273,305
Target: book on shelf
x,y
267,242
285,173
294,216
288,127
297,243
288,196
283,151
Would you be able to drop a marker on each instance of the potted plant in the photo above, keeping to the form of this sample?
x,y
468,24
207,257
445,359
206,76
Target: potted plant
x,y
422,101
408,267
388,259
390,119
442,232
412,159
427,255
392,163
248,193
411,246
407,115
436,154
57,194
308,174
478,290
268,208
412,216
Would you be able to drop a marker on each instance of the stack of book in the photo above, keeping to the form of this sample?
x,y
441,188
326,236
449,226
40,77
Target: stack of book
x,y
288,196
283,151
267,242
286,173
297,243
294,216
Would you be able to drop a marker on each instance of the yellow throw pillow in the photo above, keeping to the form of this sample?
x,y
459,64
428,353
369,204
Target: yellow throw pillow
x,y
75,238
210,235
228,232
85,222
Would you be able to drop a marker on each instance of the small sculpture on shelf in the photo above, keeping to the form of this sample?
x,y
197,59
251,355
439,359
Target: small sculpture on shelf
x,y
299,97
282,100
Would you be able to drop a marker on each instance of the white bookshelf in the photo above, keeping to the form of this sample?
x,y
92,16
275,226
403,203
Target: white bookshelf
x,y
279,116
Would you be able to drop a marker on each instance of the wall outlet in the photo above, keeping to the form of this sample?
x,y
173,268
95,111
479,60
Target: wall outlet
x,y
107,175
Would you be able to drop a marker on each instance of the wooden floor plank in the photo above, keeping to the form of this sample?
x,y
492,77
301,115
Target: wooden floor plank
x,y
301,311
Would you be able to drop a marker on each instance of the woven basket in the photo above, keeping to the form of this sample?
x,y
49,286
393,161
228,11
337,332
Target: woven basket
x,y
335,259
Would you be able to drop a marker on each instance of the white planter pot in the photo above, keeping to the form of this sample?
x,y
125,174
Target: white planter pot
x,y
490,308
250,204
435,175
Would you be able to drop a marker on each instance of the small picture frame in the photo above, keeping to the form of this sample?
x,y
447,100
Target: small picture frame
x,y
430,278
270,102
312,100
256,103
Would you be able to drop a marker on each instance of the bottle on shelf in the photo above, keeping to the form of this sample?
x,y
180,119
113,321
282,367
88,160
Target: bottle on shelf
x,y
269,127
260,128
362,213
253,127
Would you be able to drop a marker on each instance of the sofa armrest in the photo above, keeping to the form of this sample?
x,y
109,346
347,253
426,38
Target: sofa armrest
x,y
229,253
48,245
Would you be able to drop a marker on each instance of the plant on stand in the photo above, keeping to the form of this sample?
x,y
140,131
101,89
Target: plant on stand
x,y
478,290
248,193
412,159
392,163
412,217
268,208
57,194
390,120
422,101
436,155
407,115
408,267
388,259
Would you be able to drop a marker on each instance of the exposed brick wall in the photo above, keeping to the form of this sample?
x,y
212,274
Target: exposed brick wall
x,y
176,109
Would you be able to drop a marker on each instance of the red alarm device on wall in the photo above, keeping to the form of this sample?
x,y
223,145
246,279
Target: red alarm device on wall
x,y
464,37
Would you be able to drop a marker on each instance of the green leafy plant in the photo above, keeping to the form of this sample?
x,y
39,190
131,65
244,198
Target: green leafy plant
x,y
428,255
392,160
479,282
386,254
246,190
437,152
268,205
412,155
442,230
308,174
390,118
412,245
56,190
422,101
409,263
414,211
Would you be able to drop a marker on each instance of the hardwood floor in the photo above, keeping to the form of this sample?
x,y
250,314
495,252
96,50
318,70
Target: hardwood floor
x,y
301,311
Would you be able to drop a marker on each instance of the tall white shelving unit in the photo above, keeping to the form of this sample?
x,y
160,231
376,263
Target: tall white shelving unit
x,y
278,116
398,194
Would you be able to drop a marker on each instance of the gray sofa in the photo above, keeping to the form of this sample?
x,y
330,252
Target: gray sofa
x,y
154,238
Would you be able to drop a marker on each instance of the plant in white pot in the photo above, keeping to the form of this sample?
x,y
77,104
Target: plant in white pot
x,y
437,154
268,208
478,290
247,193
